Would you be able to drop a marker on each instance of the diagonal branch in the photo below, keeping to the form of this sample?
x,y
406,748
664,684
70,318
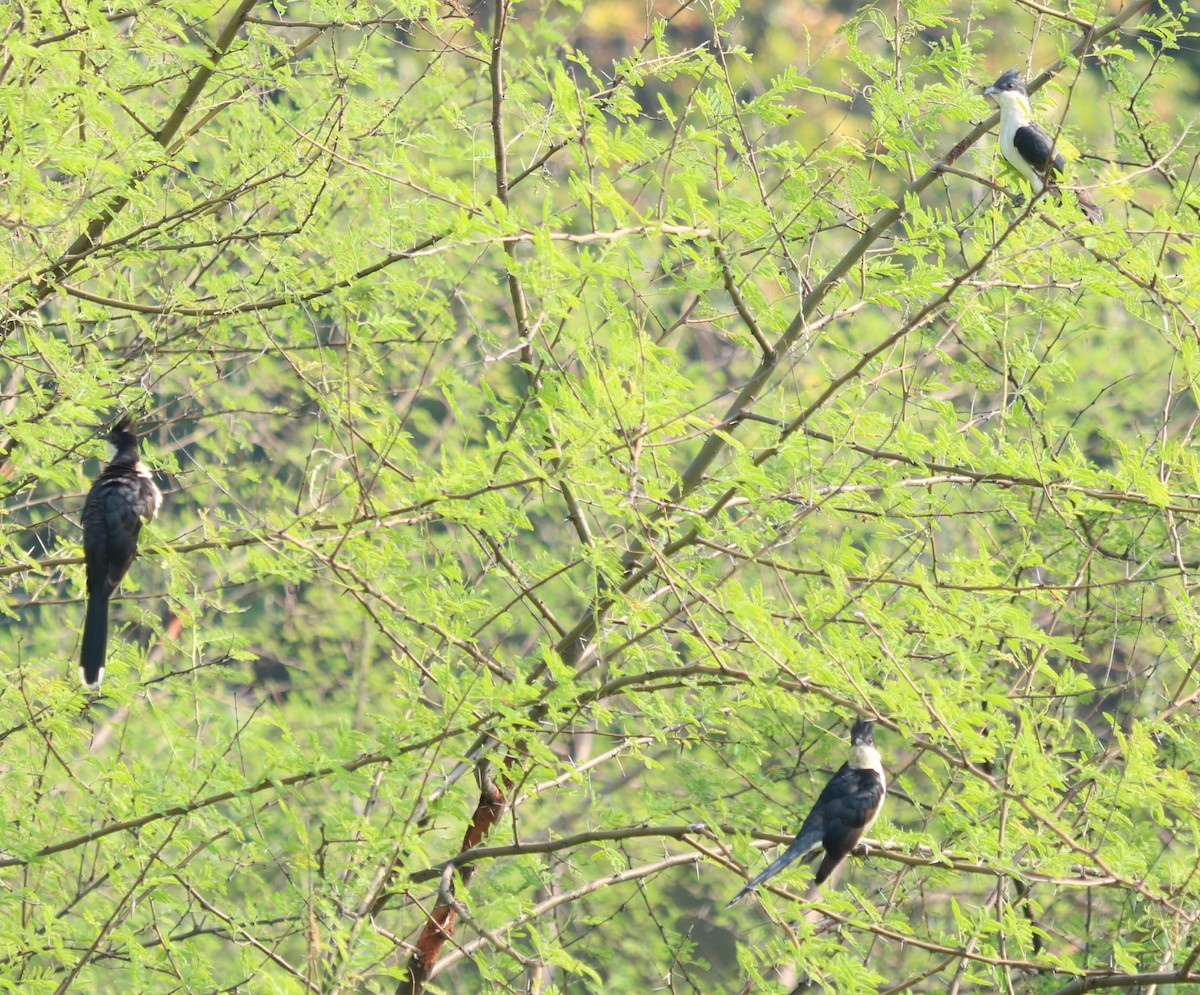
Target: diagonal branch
x,y
716,443
572,646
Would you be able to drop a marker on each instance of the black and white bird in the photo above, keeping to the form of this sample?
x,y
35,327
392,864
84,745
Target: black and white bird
x,y
121,499
1026,145
844,811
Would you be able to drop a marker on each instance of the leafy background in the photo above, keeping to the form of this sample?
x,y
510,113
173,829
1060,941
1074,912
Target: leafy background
x,y
570,417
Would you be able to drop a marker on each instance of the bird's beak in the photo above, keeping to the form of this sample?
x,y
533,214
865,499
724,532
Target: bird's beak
x,y
988,91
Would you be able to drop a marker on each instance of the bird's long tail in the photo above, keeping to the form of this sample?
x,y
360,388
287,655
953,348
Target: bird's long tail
x,y
801,846
95,641
1089,207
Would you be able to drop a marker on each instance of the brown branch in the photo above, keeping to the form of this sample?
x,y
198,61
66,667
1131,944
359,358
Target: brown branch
x,y
442,920
266,784
1095,983
1079,22
465,857
516,291
562,898
739,302
395,517
119,15
930,583
428,247
237,929
372,22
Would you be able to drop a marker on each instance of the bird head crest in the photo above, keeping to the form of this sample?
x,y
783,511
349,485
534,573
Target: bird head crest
x,y
863,733
1009,81
122,430
122,441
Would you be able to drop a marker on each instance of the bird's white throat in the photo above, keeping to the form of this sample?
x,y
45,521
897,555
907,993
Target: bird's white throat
x,y
1014,108
864,757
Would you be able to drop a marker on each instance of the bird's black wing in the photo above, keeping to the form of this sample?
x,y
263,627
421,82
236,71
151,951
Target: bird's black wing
x,y
810,837
1035,146
848,803
111,524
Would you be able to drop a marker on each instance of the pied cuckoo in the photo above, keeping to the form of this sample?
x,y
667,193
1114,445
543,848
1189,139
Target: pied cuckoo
x,y
843,811
1025,145
121,499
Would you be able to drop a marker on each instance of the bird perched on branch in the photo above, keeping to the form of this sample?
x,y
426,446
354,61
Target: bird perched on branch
x,y
121,499
843,811
1027,146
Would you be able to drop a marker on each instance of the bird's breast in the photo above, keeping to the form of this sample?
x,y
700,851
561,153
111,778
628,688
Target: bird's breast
x,y
1008,148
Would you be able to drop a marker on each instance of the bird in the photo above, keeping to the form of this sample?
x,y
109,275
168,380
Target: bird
x,y
123,497
1025,145
843,811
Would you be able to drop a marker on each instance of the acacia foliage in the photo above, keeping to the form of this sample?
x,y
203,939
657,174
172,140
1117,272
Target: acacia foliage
x,y
591,412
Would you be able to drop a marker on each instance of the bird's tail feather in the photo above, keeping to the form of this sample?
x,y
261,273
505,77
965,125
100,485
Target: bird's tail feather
x,y
801,846
1089,207
95,641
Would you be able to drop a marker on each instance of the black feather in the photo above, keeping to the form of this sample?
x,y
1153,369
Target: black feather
x,y
121,499
1035,147
850,800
